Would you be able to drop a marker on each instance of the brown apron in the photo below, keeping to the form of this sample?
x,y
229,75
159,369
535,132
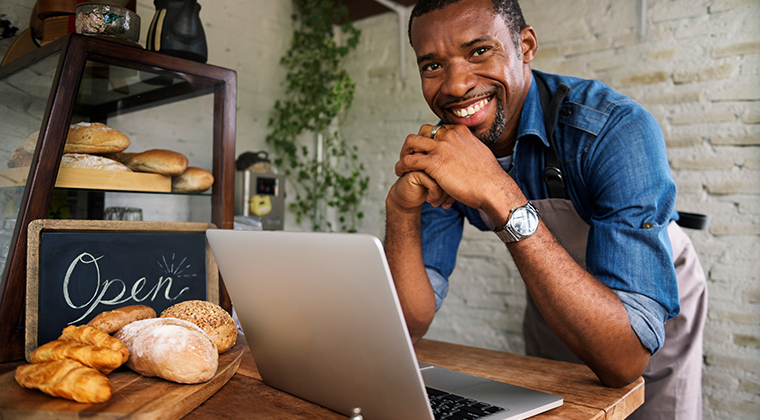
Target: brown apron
x,y
673,378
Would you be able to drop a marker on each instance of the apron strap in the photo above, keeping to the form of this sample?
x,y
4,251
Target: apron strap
x,y
555,181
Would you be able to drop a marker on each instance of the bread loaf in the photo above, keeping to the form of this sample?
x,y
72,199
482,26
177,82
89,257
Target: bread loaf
x,y
158,161
112,321
170,348
211,318
67,379
87,138
193,180
85,161
103,359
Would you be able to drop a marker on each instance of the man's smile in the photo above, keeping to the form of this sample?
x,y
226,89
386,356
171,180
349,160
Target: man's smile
x,y
469,111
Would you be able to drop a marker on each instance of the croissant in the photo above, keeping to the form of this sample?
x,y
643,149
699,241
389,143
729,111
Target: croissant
x,y
66,378
86,334
101,358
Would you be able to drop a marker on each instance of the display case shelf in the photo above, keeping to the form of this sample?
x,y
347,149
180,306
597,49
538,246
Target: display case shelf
x,y
78,78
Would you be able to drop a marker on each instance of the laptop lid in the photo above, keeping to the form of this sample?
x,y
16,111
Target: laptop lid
x,y
322,319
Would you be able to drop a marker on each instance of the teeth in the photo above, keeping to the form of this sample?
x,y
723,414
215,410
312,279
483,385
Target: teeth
x,y
467,112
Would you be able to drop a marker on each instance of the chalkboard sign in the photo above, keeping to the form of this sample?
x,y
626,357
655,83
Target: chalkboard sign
x,y
77,269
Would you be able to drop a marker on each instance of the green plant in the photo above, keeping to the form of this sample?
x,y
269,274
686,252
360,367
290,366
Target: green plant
x,y
318,91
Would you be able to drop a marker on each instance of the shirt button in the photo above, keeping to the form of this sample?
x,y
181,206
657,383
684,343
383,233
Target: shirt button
x,y
566,111
647,225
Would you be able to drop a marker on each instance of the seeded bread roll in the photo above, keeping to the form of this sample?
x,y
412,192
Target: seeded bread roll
x,y
211,318
157,161
193,180
85,161
87,138
170,348
112,321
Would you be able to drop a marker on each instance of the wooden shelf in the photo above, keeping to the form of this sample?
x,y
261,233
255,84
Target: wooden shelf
x,y
93,179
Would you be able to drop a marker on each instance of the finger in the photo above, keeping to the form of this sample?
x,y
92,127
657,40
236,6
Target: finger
x,y
425,130
416,144
448,202
436,196
413,162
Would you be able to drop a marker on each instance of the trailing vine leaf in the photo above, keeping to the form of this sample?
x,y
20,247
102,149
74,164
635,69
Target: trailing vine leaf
x,y
317,92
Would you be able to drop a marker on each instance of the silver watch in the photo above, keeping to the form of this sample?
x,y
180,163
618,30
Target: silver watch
x,y
522,223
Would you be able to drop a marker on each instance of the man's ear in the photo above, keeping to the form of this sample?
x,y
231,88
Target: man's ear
x,y
528,44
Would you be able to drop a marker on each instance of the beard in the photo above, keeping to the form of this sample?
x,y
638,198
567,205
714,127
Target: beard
x,y
496,129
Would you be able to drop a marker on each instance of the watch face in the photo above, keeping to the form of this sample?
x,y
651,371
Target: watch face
x,y
524,221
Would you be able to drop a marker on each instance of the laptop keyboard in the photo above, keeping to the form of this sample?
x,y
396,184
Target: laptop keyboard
x,y
454,407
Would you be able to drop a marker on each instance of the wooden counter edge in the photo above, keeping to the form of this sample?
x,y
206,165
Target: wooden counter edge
x,y
522,370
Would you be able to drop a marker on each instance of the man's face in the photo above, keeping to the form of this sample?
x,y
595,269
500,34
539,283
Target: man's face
x,y
471,70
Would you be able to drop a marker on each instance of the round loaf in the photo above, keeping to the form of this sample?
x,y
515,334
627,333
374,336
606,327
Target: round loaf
x,y
170,348
87,138
112,321
211,318
158,161
85,161
193,180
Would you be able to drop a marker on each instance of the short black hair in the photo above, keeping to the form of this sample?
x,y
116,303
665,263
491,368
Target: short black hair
x,y
508,9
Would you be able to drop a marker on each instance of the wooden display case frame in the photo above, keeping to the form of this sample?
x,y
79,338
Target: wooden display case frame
x,y
75,51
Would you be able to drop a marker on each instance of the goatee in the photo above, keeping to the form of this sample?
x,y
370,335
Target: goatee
x,y
497,128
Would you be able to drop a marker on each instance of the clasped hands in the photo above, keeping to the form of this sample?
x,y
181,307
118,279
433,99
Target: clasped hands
x,y
453,166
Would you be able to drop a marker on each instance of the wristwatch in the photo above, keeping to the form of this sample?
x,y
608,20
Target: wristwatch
x,y
522,223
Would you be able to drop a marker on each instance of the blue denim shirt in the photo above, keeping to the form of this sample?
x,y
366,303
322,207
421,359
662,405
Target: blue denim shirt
x,y
614,159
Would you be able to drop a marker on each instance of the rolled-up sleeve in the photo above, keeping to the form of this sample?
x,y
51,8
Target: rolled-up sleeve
x,y
441,235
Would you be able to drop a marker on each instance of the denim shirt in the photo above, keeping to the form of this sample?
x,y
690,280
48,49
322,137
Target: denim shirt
x,y
613,156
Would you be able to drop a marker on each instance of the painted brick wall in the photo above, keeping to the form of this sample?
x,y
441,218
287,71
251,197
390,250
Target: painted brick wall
x,y
696,71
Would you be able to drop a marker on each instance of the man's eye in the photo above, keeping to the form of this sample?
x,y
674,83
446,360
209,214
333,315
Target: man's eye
x,y
479,51
431,67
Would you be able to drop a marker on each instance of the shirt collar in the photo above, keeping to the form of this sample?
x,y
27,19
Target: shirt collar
x,y
532,116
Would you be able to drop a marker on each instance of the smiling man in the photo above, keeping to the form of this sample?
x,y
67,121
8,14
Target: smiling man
x,y
574,178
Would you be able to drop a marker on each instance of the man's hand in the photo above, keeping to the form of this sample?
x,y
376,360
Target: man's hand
x,y
414,188
458,162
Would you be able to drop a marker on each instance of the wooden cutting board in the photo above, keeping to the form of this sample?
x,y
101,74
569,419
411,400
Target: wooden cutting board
x,y
134,396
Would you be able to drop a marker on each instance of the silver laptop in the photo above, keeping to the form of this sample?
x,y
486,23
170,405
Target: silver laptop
x,y
323,321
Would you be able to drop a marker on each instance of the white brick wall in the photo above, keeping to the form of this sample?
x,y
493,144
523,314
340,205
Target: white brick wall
x,y
697,72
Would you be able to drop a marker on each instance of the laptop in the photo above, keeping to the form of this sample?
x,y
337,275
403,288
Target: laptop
x,y
322,318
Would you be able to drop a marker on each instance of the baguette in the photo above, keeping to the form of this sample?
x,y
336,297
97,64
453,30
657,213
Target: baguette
x,y
85,161
171,349
66,378
112,321
157,161
88,335
193,180
103,359
87,138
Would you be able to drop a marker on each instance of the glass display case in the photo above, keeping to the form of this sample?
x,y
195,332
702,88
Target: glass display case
x,y
157,101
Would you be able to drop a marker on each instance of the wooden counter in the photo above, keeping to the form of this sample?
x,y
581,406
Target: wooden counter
x,y
245,396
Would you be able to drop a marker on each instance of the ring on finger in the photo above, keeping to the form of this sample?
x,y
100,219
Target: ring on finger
x,y
435,129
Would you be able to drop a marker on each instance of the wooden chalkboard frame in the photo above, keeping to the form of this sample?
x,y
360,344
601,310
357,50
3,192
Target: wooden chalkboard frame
x,y
37,227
